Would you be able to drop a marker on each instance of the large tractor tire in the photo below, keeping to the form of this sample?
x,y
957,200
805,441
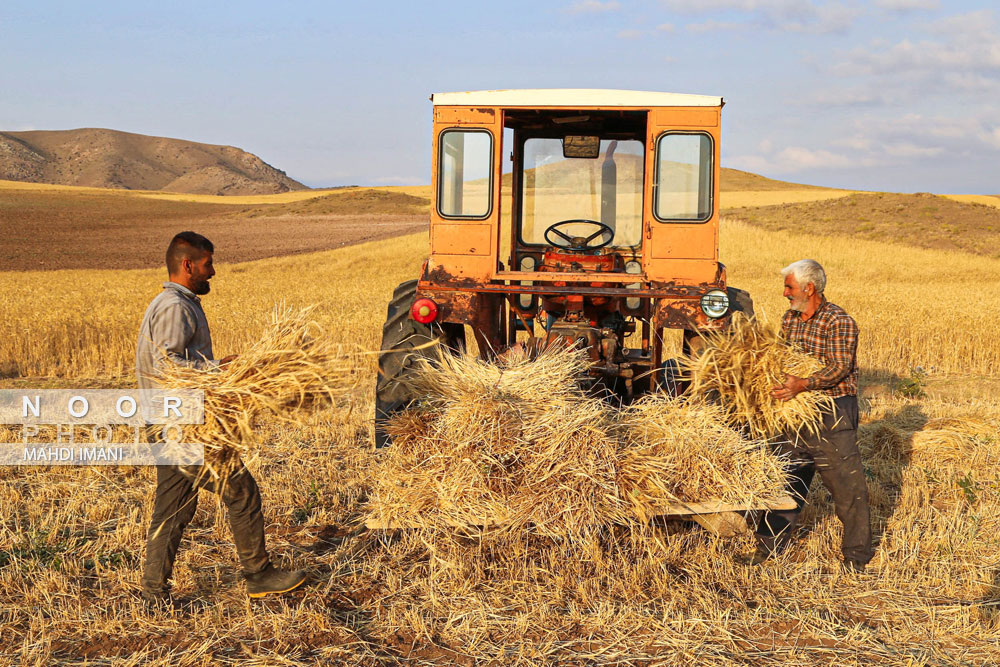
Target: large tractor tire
x,y
404,340
740,301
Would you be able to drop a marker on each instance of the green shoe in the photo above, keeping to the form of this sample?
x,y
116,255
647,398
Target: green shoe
x,y
272,581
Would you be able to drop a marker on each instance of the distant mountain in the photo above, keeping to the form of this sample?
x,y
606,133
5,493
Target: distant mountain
x,y
122,160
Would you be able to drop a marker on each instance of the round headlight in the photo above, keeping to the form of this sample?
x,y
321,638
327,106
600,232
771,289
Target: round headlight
x,y
715,304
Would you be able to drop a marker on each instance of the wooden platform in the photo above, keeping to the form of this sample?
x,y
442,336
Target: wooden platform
x,y
718,517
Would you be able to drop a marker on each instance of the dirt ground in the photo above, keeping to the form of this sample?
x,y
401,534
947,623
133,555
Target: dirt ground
x,y
923,220
55,230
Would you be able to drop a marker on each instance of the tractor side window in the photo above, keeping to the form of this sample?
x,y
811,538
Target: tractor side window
x,y
684,177
465,170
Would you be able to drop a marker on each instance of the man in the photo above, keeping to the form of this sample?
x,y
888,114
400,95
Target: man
x,y
175,326
829,334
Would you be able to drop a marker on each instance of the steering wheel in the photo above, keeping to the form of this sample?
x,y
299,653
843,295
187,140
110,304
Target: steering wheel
x,y
579,243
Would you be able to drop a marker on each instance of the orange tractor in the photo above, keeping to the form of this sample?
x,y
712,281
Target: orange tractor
x,y
588,217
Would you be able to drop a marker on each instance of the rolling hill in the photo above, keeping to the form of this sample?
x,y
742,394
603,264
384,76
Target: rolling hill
x,y
122,160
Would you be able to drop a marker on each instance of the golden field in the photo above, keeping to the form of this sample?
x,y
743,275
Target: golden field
x,y
915,307
71,539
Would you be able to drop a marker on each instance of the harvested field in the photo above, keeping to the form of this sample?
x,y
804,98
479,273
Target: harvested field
x,y
735,180
735,199
42,229
71,539
351,202
922,220
989,200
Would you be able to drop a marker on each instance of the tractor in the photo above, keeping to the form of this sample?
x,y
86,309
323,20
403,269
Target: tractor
x,y
585,217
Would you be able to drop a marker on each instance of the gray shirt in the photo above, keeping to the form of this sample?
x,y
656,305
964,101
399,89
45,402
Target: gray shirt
x,y
174,325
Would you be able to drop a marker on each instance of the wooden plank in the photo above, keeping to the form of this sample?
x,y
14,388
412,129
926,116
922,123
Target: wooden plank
x,y
677,509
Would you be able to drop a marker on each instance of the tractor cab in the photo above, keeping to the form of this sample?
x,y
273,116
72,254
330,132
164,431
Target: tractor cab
x,y
586,216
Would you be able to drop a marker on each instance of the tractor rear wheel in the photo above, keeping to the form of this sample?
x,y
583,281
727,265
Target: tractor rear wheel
x,y
404,341
740,301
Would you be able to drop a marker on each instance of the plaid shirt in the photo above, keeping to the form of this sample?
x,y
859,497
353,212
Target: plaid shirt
x,y
830,335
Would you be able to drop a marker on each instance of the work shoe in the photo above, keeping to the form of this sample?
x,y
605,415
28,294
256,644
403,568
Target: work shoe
x,y
272,581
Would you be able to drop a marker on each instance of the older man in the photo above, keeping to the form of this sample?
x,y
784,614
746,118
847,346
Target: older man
x,y
823,330
175,327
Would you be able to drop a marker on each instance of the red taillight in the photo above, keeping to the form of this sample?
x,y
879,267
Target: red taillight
x,y
424,311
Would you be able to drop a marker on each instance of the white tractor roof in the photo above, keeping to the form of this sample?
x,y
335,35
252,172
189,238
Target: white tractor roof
x,y
573,97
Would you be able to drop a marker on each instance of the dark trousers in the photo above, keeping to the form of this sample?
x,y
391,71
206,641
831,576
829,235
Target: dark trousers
x,y
174,506
834,453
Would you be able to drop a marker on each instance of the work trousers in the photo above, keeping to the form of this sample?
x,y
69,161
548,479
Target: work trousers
x,y
174,506
834,453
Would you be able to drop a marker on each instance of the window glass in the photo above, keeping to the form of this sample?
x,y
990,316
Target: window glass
x,y
684,177
607,189
465,170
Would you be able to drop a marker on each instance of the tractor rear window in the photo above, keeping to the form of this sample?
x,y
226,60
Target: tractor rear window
x,y
684,178
606,189
465,167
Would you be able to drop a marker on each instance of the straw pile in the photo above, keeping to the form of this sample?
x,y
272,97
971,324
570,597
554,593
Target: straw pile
x,y
290,367
519,446
740,367
510,445
678,450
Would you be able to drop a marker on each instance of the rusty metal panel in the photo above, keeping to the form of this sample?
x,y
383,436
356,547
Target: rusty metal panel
x,y
461,270
684,271
461,238
683,314
458,307
464,116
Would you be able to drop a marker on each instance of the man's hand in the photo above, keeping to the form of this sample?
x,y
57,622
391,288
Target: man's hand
x,y
225,361
793,385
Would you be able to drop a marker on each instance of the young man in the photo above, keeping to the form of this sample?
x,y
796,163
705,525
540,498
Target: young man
x,y
829,334
175,326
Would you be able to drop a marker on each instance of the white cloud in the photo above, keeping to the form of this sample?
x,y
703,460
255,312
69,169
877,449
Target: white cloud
x,y
795,159
798,158
905,6
630,34
881,140
593,7
962,57
971,25
779,15
909,149
858,96
712,25
665,27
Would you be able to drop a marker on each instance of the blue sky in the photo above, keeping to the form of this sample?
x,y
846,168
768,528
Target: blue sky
x,y
900,95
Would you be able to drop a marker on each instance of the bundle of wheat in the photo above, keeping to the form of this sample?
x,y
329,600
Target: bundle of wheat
x,y
950,440
518,445
290,367
679,450
741,366
506,445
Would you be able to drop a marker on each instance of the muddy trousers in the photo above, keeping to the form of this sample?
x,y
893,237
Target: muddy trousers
x,y
834,454
174,507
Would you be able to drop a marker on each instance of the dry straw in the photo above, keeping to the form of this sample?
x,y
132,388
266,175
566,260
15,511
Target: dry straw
x,y
740,367
678,450
518,445
291,366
